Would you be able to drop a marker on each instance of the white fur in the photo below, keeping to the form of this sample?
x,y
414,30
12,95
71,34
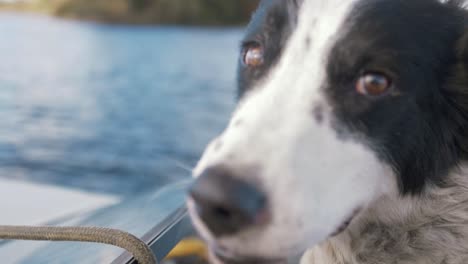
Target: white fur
x,y
431,229
313,179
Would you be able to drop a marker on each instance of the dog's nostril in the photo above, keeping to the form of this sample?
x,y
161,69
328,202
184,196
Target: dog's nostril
x,y
226,204
222,212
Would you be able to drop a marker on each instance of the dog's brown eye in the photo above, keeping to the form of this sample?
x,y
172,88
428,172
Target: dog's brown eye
x,y
253,55
373,84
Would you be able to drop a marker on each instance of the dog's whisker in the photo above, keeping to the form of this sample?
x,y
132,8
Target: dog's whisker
x,y
180,164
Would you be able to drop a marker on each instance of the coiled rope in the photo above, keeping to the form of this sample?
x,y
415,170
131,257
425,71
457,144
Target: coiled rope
x,y
118,238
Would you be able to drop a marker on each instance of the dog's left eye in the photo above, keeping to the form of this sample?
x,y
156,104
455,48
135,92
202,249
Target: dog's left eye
x,y
253,55
373,84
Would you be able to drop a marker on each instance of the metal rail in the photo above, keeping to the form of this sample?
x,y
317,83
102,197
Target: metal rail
x,y
164,237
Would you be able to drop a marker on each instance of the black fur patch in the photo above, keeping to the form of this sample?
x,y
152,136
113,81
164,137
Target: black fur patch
x,y
269,28
421,126
417,126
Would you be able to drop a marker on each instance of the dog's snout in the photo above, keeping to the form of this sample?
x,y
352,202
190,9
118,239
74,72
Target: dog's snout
x,y
226,204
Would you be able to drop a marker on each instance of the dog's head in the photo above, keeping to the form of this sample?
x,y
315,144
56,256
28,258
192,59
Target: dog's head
x,y
341,103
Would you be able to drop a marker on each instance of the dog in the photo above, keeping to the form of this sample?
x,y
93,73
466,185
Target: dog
x,y
349,144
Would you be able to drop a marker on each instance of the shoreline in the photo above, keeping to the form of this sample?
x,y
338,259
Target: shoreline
x,y
45,15
165,12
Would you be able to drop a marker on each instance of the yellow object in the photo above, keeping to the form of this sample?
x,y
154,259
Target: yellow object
x,y
189,247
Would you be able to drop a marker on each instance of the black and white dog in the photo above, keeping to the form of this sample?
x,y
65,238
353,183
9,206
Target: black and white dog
x,y
350,141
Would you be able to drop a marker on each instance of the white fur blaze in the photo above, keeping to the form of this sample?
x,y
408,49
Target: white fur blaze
x,y
313,179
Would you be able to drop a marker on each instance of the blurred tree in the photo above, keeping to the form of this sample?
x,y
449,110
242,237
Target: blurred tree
x,y
201,12
139,5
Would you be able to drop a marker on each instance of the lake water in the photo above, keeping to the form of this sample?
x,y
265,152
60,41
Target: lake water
x,y
112,109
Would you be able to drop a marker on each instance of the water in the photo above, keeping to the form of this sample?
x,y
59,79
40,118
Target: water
x,y
112,109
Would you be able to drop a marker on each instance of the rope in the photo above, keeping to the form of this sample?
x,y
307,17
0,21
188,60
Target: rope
x,y
129,242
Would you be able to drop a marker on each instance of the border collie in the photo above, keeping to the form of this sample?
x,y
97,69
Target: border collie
x,y
350,140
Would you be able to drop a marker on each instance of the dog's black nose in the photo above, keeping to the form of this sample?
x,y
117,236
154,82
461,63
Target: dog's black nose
x,y
226,204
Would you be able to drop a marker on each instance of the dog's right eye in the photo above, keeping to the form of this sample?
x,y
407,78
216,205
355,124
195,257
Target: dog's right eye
x,y
373,84
253,55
